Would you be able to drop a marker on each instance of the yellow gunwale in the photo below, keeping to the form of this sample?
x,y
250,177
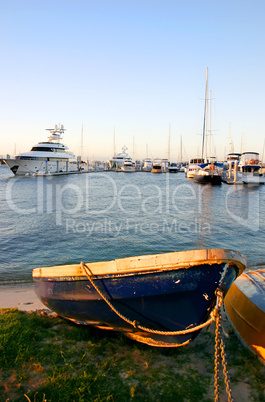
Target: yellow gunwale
x,y
145,263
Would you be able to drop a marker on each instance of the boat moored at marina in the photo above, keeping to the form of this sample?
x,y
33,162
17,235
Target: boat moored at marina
x,y
117,161
246,170
157,166
147,165
231,159
162,300
208,173
193,167
230,168
250,169
165,164
50,157
128,166
173,168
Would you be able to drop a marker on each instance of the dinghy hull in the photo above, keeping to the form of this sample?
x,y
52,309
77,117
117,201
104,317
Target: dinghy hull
x,y
162,293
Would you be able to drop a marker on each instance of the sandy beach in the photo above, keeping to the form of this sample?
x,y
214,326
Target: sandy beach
x,y
24,299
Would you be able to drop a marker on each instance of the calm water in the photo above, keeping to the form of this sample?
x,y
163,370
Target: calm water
x,y
47,221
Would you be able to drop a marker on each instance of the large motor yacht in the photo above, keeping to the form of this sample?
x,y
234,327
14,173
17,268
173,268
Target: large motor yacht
x,y
117,161
50,157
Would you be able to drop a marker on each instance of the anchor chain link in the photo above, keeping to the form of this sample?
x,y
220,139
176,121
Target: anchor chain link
x,y
220,352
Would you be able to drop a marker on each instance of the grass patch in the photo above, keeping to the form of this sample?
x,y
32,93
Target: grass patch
x,y
46,358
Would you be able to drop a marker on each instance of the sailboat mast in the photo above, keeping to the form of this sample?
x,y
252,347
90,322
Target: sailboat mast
x,y
81,144
206,121
114,143
210,133
263,152
181,149
204,132
231,145
244,143
169,144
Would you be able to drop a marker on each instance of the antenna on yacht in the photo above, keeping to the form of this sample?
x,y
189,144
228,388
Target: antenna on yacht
x,y
124,148
56,132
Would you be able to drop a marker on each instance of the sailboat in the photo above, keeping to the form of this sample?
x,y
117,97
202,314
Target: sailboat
x,y
171,166
147,162
210,170
181,167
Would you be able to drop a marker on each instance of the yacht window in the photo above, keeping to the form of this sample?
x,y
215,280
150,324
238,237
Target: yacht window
x,y
47,149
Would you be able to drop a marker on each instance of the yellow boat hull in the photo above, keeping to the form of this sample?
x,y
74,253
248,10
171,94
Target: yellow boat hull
x,y
245,307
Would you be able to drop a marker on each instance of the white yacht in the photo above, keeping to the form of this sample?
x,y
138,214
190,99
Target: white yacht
x,y
182,168
128,166
193,167
165,164
157,166
173,168
249,169
51,157
246,170
230,167
147,166
117,161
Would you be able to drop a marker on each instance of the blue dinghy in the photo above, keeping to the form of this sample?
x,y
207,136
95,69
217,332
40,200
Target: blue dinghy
x,y
161,300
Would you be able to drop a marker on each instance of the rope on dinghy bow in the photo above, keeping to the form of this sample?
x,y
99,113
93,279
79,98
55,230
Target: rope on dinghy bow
x,y
136,325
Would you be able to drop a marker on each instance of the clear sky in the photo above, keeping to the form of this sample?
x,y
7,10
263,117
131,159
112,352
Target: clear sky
x,y
134,65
